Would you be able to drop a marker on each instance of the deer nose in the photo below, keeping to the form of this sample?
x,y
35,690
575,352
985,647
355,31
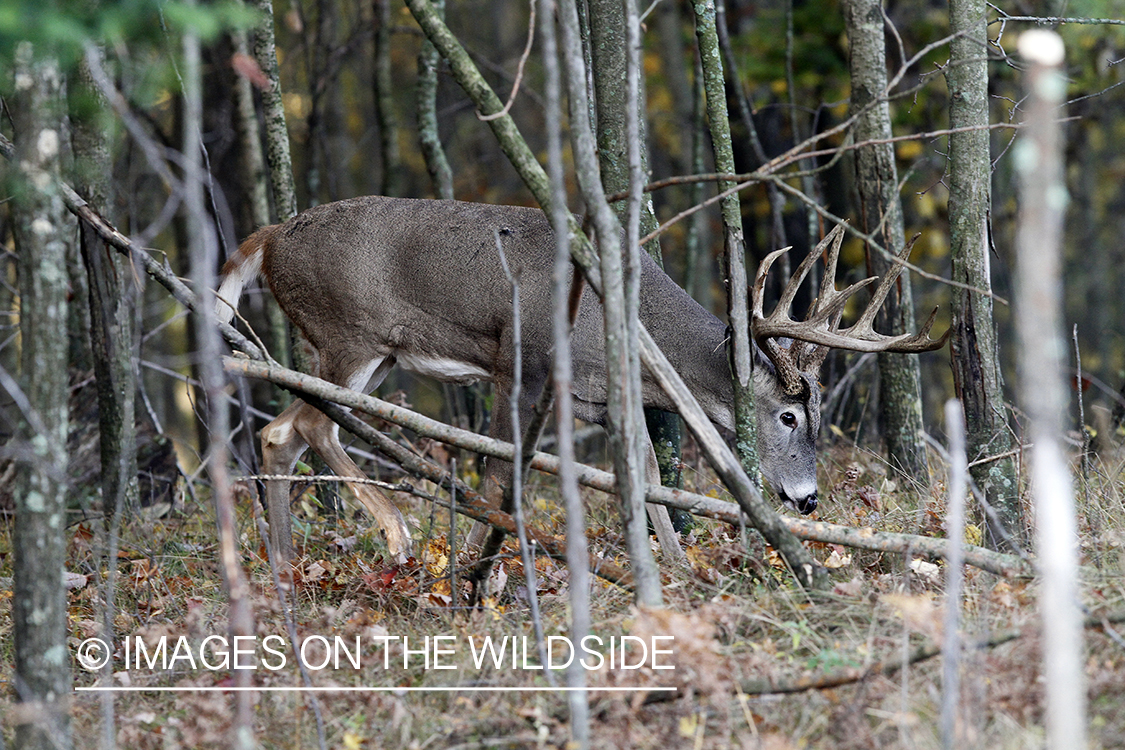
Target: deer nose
x,y
808,505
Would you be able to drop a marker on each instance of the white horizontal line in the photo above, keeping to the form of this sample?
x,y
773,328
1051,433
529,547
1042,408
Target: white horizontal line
x,y
361,689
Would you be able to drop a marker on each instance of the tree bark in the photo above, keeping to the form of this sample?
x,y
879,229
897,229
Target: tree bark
x,y
608,47
277,134
900,390
734,250
429,137
39,612
623,376
973,346
384,100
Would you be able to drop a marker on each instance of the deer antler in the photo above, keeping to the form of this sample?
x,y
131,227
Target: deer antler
x,y
820,331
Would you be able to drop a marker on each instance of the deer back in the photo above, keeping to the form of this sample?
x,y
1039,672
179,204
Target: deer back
x,y
415,279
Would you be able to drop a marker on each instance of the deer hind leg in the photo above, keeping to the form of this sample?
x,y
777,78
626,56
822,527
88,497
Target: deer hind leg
x,y
281,447
301,425
658,514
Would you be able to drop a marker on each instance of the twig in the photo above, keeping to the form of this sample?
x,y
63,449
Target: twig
x,y
519,70
526,554
1053,20
453,531
1085,435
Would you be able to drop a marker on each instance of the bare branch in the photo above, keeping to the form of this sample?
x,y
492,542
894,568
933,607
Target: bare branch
x,y
864,538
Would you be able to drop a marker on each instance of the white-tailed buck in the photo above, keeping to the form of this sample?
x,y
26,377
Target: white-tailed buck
x,y
373,282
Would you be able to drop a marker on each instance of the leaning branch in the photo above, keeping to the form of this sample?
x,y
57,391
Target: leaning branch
x,y
706,507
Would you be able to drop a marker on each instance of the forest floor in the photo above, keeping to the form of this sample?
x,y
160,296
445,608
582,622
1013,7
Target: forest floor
x,y
740,631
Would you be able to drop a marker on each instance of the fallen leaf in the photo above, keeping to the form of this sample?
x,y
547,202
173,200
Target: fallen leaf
x,y
837,560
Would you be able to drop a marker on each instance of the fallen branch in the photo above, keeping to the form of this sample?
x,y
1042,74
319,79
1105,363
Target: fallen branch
x,y
862,538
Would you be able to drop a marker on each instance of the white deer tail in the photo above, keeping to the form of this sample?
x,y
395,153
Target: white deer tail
x,y
239,270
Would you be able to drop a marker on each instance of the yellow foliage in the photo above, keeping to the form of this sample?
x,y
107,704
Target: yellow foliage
x,y
434,557
908,150
296,105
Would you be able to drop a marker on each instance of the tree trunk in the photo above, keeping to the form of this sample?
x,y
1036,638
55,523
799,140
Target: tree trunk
x,y
577,554
384,100
1043,374
608,51
326,171
112,299
734,250
900,390
39,612
429,137
277,134
973,347
623,379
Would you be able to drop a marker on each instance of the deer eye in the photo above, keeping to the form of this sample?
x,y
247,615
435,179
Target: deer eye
x,y
789,419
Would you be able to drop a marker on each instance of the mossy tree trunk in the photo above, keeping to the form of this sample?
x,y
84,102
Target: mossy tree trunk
x,y
608,50
278,156
973,347
900,389
39,612
429,137
734,250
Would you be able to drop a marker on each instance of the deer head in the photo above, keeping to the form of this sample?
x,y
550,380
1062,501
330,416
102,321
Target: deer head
x,y
788,356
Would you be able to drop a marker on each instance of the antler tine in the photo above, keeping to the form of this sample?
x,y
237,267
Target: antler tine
x,y
785,302
760,280
836,237
921,341
867,320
